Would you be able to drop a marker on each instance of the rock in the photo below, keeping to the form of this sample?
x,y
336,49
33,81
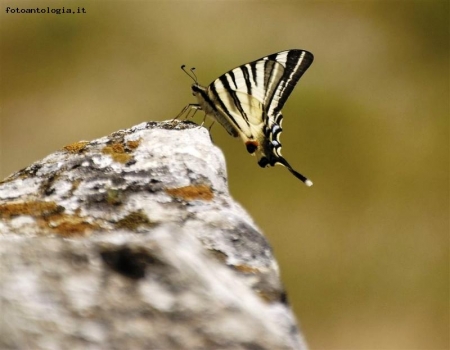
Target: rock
x,y
132,241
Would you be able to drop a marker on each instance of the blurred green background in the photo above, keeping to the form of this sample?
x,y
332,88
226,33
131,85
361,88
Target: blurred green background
x,y
364,253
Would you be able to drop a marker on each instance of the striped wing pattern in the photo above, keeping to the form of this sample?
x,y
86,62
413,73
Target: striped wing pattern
x,y
248,100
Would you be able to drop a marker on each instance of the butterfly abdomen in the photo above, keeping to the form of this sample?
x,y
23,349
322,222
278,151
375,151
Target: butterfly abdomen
x,y
210,107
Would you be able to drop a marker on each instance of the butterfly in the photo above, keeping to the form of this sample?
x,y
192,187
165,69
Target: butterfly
x,y
247,102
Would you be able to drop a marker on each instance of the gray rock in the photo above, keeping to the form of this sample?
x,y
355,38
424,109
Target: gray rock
x,y
132,241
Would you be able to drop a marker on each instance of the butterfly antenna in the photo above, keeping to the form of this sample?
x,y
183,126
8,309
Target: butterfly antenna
x,y
194,78
193,73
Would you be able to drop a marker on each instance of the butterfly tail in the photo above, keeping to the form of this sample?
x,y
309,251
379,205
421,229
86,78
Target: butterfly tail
x,y
299,176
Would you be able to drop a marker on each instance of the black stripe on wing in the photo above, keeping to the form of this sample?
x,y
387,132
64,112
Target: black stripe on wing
x,y
223,79
233,78
254,73
297,62
225,110
269,80
248,82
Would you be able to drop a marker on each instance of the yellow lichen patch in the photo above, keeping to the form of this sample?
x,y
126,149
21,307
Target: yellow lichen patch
x,y
133,220
113,196
32,208
70,225
193,192
76,146
117,152
75,184
133,144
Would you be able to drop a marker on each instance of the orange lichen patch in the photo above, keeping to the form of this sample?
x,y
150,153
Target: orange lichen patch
x,y
70,225
246,269
32,208
133,220
118,148
219,255
193,192
117,152
49,215
269,296
69,229
121,157
76,146
8,179
133,144
114,148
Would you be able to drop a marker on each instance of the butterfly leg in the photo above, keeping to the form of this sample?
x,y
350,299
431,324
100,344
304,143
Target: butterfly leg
x,y
203,122
181,113
209,129
187,109
195,111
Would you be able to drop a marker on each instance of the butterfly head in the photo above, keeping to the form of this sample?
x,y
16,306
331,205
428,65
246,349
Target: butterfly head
x,y
196,89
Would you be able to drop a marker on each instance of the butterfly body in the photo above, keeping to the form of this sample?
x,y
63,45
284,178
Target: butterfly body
x,y
247,102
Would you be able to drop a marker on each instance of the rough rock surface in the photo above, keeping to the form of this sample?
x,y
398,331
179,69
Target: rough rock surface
x,y
132,241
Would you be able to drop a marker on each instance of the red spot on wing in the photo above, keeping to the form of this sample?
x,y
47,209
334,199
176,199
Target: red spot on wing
x,y
252,146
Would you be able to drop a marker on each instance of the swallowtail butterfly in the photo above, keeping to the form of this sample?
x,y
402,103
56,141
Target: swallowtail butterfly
x,y
247,102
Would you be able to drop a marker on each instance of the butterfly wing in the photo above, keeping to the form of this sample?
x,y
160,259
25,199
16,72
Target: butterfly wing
x,y
295,63
240,95
249,100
